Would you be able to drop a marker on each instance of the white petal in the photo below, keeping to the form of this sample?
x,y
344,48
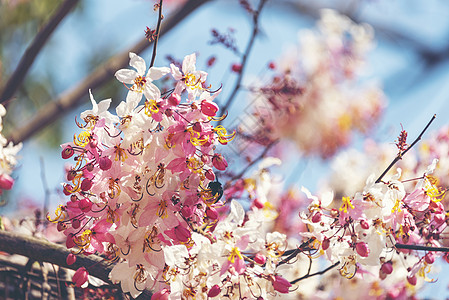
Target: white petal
x,y
188,64
138,63
152,92
156,73
126,76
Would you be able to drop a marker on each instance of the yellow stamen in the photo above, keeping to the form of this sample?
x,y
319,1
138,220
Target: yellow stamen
x,y
346,203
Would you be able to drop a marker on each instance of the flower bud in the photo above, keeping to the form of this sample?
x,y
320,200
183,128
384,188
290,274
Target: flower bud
x,y
86,184
80,277
364,224
90,167
214,291
71,175
186,211
387,267
67,190
211,213
76,223
260,258
316,217
174,99
219,162
429,258
257,203
325,244
210,175
362,249
67,152
271,65
69,242
182,234
209,108
61,226
281,284
71,259
6,182
211,61
105,163
163,294
85,205
237,68
198,127
205,158
412,280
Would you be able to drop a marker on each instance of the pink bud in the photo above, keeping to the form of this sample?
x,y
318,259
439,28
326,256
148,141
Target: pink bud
x,y
86,184
362,249
105,163
70,243
260,258
429,258
205,158
211,61
271,65
76,223
210,175
85,205
80,277
71,259
364,224
61,226
219,162
182,234
6,182
67,190
90,167
214,291
281,284
237,68
209,108
71,175
439,218
211,213
257,203
67,152
163,294
316,217
174,99
412,280
186,211
387,268
325,244
198,127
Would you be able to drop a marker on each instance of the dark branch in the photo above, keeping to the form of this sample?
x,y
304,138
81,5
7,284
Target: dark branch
x,y
243,63
33,50
314,274
158,30
421,248
100,76
400,154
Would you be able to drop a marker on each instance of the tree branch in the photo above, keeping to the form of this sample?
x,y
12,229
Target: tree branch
x,y
243,63
101,75
16,79
400,154
421,248
45,251
314,274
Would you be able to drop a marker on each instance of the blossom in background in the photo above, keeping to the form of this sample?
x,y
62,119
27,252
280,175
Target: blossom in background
x,y
316,98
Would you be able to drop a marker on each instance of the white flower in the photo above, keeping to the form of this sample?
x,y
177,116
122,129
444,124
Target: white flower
x,y
141,84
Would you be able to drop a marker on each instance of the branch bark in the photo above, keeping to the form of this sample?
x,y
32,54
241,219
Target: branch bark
x,y
16,79
45,251
101,75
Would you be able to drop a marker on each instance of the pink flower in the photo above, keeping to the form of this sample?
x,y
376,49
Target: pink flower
x,y
163,294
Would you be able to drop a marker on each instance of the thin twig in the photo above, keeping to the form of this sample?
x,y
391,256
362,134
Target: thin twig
x,y
33,50
243,63
400,154
100,76
314,274
158,29
262,155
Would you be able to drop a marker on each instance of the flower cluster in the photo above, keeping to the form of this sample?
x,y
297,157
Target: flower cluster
x,y
369,230
144,178
8,157
316,99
